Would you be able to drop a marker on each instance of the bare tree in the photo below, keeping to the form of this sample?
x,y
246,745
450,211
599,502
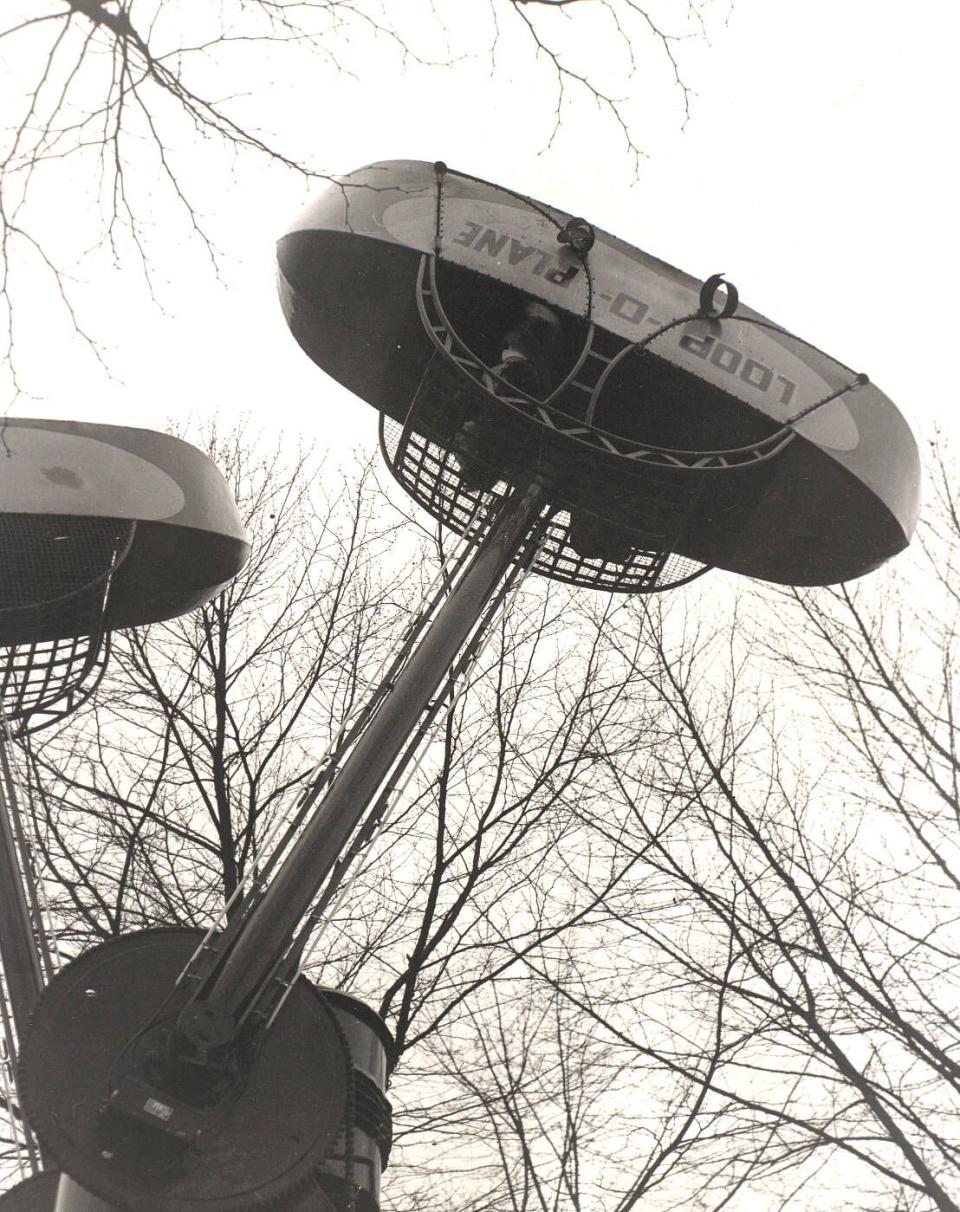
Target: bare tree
x,y
645,932
666,916
785,1000
151,801
481,888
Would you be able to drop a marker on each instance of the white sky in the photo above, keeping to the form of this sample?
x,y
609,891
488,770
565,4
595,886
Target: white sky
x,y
816,170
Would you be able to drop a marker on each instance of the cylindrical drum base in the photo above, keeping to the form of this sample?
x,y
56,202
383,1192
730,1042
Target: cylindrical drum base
x,y
360,1153
260,1146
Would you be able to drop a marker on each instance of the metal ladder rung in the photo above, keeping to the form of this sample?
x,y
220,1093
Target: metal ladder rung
x,y
588,377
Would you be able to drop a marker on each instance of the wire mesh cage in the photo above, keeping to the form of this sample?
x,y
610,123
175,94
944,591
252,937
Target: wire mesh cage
x,y
458,458
53,594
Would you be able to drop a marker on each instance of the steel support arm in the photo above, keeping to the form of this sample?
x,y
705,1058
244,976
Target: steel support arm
x,y
272,924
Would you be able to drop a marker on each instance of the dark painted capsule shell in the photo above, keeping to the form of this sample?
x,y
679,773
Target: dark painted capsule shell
x,y
788,466
141,517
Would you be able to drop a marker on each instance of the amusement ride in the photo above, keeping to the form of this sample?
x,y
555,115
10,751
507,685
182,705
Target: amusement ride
x,y
570,407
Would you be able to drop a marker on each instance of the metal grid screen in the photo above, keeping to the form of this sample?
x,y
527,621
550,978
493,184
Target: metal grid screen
x,y
432,474
47,558
56,574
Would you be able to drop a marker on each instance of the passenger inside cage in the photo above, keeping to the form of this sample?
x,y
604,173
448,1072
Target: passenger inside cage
x,y
531,352
529,360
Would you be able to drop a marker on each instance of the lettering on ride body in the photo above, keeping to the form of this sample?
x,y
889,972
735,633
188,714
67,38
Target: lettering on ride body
x,y
501,245
494,244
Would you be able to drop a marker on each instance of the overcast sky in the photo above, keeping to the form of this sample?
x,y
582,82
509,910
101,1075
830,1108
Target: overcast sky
x,y
816,169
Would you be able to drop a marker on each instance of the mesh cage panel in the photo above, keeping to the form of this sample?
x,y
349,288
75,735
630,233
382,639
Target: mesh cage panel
x,y
47,557
465,493
56,574
41,684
